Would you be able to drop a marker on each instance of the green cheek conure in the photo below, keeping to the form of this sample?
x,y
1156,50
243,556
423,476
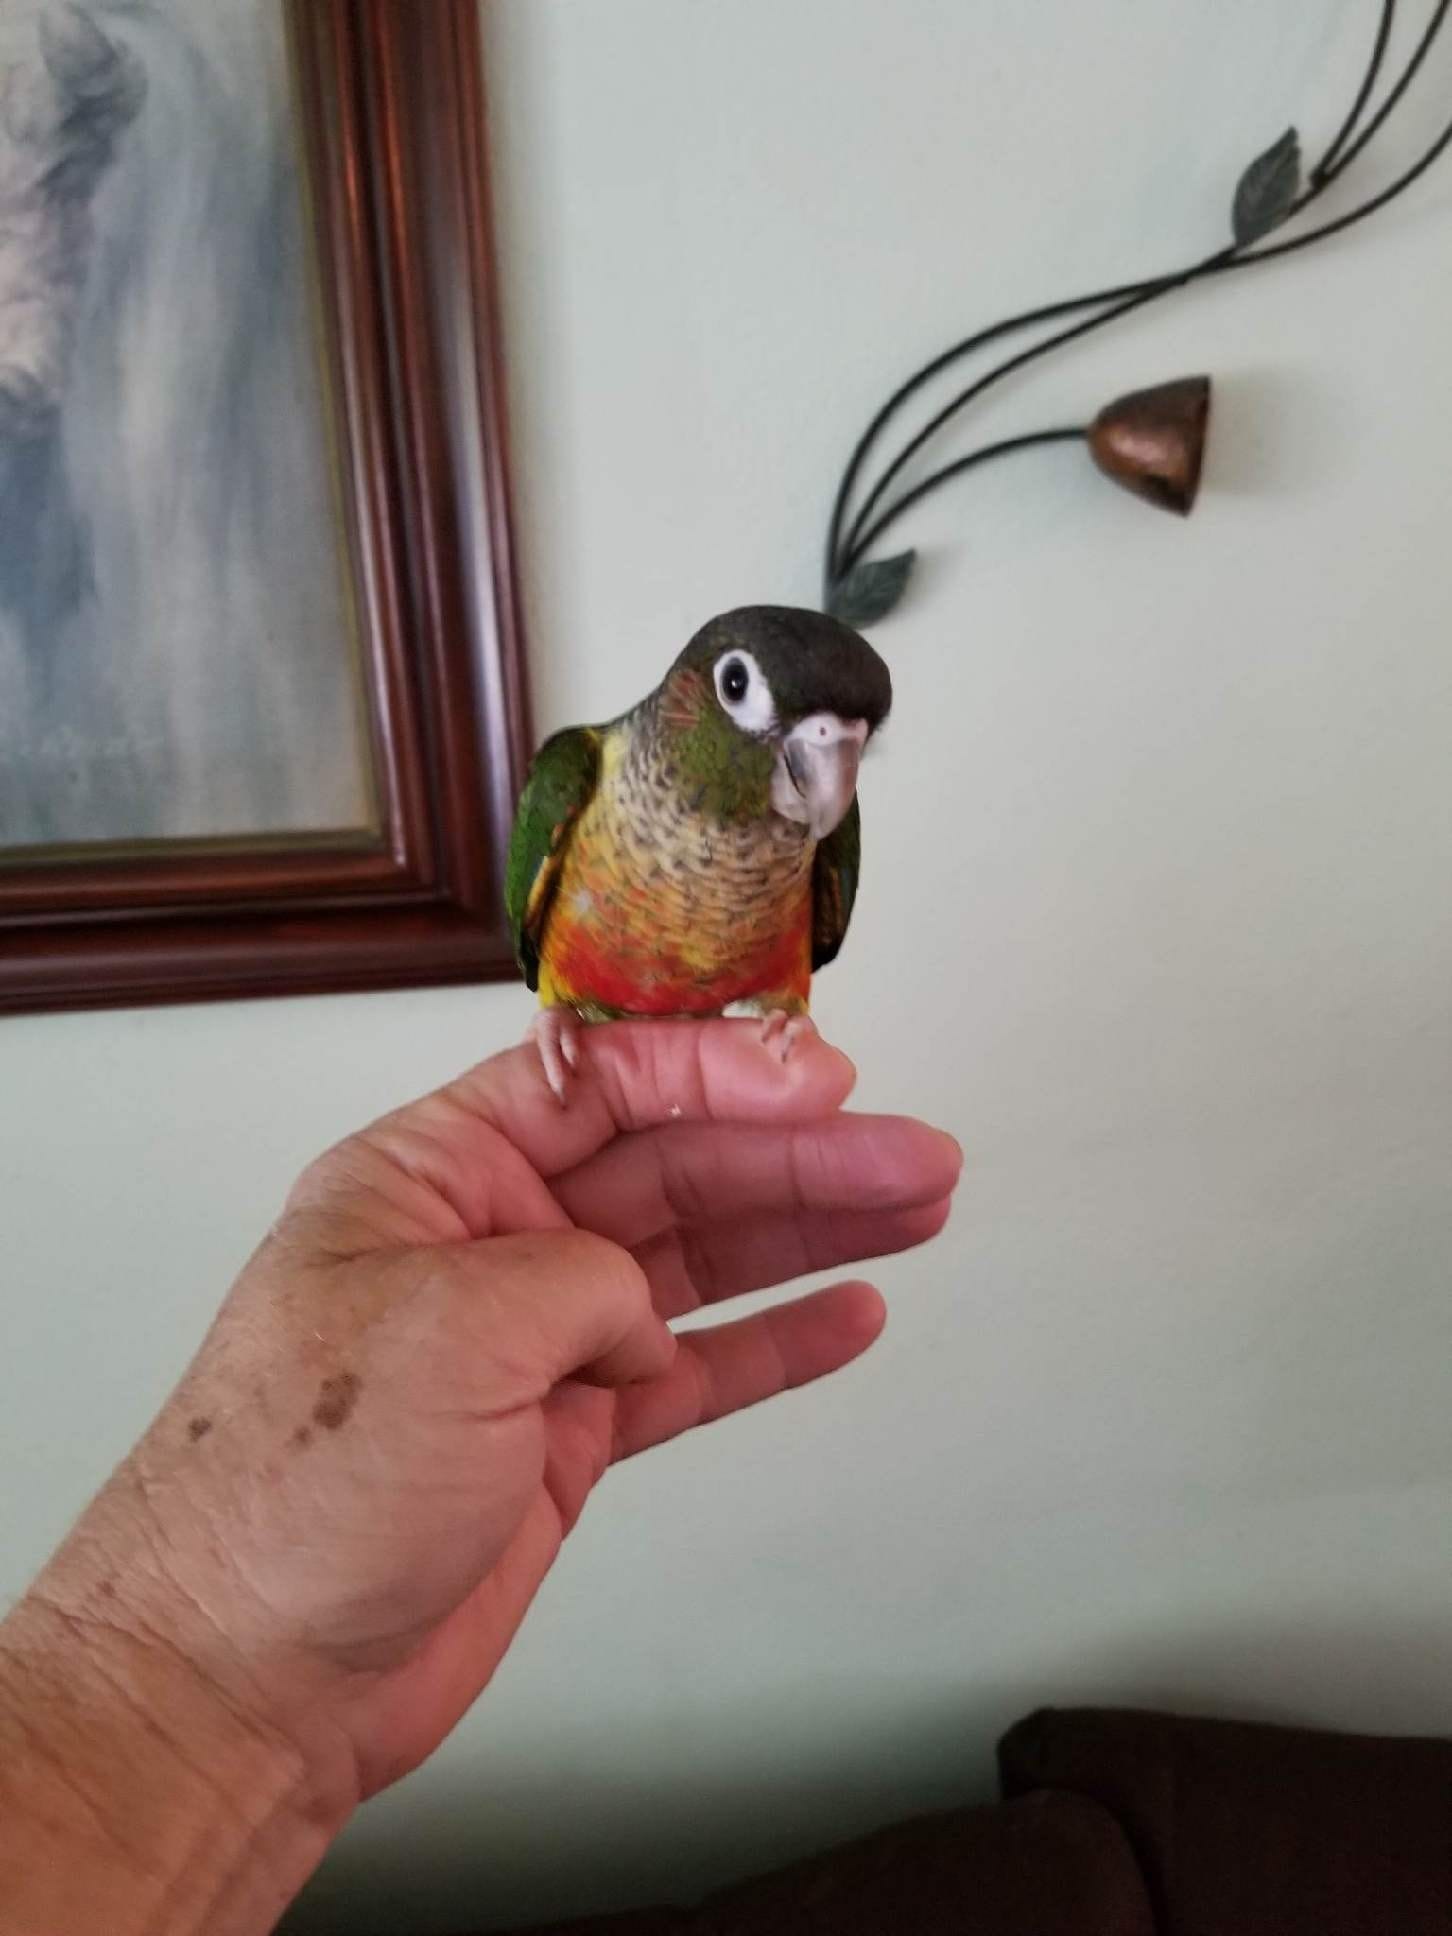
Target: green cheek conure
x,y
699,855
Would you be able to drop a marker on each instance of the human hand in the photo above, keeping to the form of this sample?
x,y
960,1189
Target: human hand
x,y
338,1520
457,1324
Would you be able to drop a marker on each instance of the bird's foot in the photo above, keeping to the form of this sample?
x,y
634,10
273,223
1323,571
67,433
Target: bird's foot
x,y
787,1029
784,1026
555,1032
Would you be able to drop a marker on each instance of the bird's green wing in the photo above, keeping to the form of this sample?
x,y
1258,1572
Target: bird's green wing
x,y
559,787
835,869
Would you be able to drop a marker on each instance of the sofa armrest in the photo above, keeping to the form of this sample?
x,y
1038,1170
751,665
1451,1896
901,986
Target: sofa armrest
x,y
1049,1865
1259,1831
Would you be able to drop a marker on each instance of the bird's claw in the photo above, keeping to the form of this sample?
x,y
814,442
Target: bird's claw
x,y
790,1028
555,1032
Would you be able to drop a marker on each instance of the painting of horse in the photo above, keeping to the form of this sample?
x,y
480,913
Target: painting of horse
x,y
177,661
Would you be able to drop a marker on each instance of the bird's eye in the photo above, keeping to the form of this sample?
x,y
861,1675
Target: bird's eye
x,y
745,696
735,681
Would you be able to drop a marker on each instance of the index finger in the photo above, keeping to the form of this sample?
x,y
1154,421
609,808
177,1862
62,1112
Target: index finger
x,y
474,1158
641,1075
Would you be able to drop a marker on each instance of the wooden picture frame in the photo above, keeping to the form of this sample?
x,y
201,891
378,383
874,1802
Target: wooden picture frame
x,y
390,96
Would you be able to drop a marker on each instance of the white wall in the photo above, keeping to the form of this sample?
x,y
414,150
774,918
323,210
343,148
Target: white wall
x,y
1155,917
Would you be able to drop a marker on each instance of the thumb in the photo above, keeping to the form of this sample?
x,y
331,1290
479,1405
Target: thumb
x,y
547,1305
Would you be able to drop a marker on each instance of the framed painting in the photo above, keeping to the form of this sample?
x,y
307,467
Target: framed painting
x,y
262,704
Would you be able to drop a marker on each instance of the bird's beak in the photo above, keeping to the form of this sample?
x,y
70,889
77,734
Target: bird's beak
x,y
816,771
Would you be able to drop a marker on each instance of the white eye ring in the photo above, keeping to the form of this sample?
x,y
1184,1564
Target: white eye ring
x,y
752,710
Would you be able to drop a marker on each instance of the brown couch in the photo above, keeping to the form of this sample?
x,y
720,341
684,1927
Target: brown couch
x,y
1128,1824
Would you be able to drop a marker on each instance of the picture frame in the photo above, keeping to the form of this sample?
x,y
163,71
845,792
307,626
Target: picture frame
x,y
390,103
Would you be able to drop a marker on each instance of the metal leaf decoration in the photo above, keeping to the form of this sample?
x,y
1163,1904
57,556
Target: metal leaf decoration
x,y
870,590
1266,192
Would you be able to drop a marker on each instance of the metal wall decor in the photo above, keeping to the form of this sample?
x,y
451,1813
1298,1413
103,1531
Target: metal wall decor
x,y
1152,441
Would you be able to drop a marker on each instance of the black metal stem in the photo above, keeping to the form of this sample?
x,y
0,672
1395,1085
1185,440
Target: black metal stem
x,y
1363,93
1394,94
1120,300
894,511
1142,293
979,340
1359,214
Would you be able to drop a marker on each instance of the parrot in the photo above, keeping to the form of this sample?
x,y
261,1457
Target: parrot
x,y
699,855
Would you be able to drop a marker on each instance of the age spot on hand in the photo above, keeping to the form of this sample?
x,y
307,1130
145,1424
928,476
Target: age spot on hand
x,y
336,1398
198,1429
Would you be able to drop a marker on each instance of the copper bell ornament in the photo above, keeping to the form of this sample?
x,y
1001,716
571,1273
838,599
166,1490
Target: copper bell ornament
x,y
1153,441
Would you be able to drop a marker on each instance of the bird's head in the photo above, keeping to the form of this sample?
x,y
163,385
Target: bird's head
x,y
770,708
